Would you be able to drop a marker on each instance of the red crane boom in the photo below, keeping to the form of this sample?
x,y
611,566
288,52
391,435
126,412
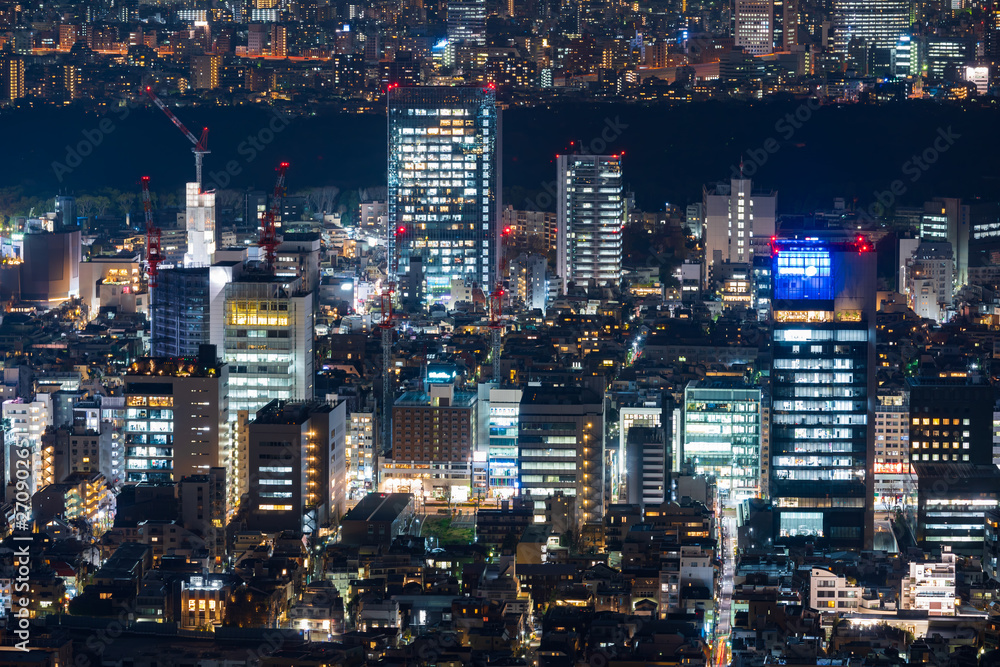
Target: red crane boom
x,y
268,229
154,252
200,145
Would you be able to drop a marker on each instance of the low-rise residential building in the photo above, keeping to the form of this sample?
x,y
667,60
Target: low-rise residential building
x,y
930,586
832,592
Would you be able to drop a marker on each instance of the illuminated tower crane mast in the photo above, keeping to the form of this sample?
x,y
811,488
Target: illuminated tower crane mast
x,y
268,227
154,253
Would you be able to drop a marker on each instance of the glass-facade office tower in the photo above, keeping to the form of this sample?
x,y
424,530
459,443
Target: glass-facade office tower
x,y
180,319
823,391
505,406
444,186
591,215
467,22
721,435
877,23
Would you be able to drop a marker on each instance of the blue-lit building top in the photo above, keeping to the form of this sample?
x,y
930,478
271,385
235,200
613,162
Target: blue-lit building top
x,y
444,185
823,391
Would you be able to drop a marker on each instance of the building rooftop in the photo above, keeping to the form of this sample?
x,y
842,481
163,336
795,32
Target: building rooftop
x,y
719,382
290,412
948,379
560,396
379,507
958,472
461,399
175,367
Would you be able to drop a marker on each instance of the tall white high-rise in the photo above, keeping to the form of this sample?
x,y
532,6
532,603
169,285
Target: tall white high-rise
x,y
738,222
754,31
591,215
199,220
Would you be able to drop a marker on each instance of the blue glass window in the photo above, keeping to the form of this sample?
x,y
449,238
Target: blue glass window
x,y
803,274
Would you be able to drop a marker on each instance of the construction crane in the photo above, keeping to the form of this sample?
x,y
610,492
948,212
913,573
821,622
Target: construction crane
x,y
496,304
154,252
268,228
200,145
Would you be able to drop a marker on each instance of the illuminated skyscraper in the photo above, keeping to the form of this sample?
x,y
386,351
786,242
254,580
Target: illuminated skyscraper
x,y
823,391
754,26
591,210
877,23
444,185
786,24
467,22
721,435
561,449
266,329
11,77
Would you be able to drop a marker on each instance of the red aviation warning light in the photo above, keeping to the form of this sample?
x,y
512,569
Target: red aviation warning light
x,y
863,245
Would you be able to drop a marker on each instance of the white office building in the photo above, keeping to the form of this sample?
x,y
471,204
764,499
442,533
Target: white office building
x,y
739,223
267,341
930,587
832,593
754,26
930,280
